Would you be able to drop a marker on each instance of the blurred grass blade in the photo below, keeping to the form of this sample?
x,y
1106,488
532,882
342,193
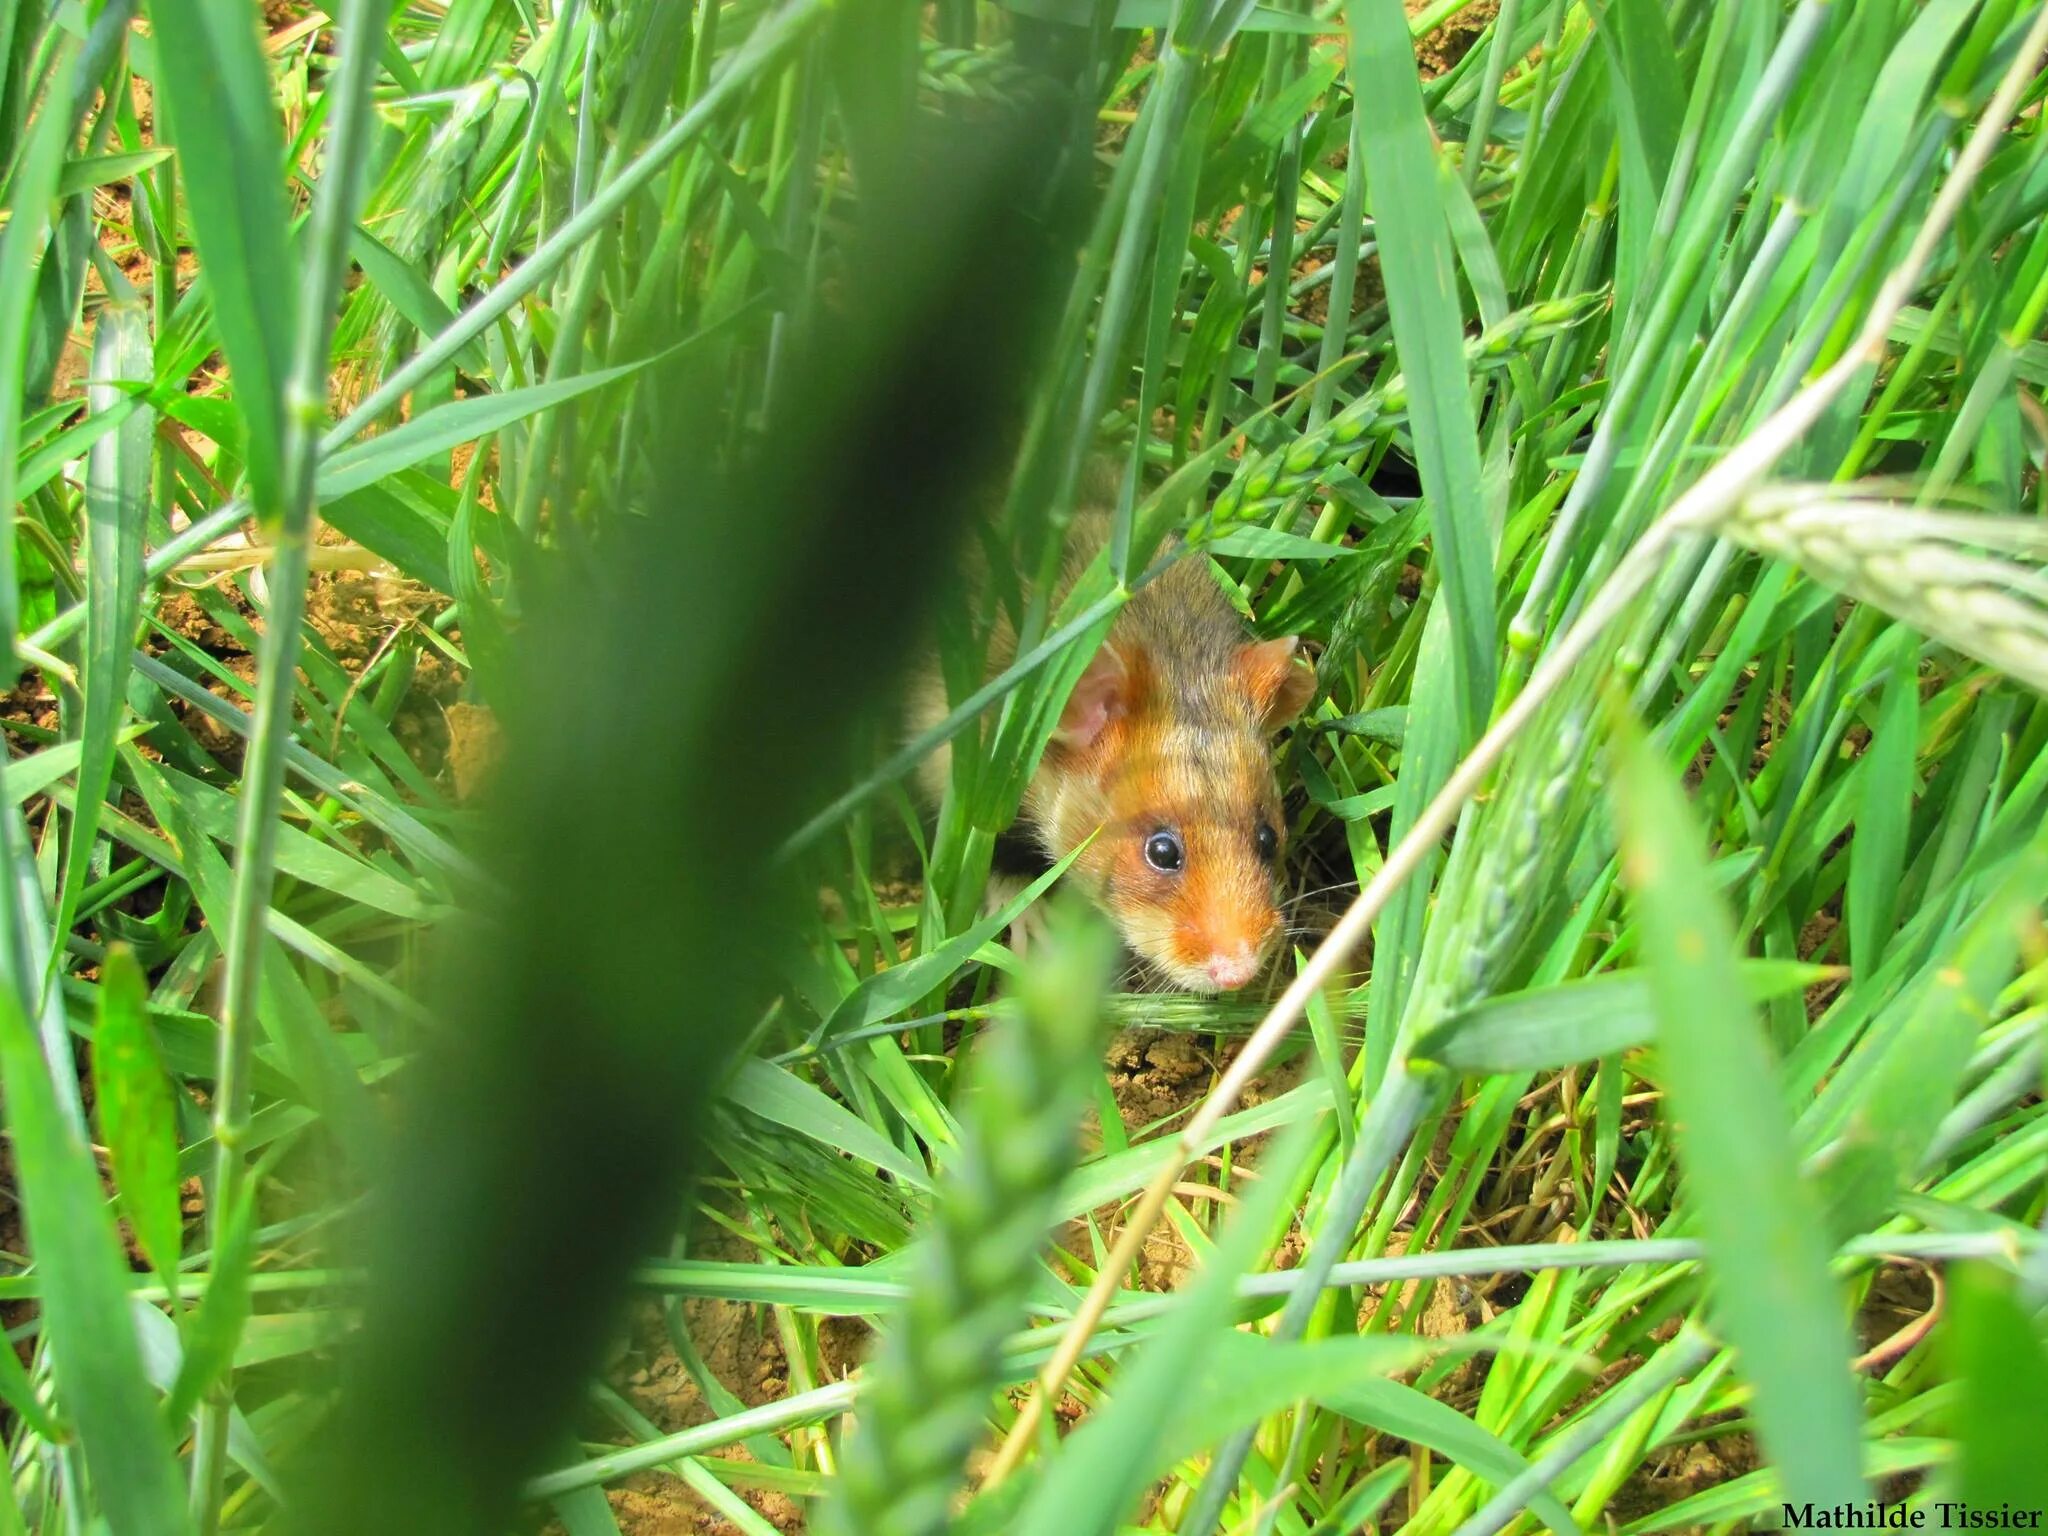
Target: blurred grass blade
x,y
584,1511
30,776
138,1119
117,498
1256,543
104,170
563,1003
85,1300
20,1395
213,88
214,1330
1904,1082
1773,1294
163,1354
1999,1359
1243,1378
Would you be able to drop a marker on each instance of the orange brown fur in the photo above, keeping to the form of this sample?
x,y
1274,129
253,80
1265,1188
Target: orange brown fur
x,y
1167,732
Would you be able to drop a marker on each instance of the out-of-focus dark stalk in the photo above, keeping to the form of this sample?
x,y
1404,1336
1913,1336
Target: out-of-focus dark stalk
x,y
686,686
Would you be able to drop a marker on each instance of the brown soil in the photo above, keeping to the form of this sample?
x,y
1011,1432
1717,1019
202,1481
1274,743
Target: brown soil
x,y
1682,1471
739,1349
474,747
1450,42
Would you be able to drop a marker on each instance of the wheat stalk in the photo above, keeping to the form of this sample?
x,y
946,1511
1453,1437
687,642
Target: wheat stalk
x,y
926,1393
1952,575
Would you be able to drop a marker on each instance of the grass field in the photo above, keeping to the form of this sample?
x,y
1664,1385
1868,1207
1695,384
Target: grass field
x,y
489,1040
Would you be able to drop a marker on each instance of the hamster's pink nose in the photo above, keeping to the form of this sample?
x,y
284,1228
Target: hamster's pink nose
x,y
1231,969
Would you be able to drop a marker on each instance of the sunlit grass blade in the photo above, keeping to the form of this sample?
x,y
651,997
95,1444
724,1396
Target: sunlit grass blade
x,y
85,1309
137,1118
1579,1020
364,464
2000,1361
1087,1490
926,1392
116,501
1773,1294
1422,298
1877,860
213,86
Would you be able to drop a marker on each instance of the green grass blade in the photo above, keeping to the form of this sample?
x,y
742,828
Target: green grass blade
x,y
928,1384
1904,1081
1243,1378
85,1303
890,991
1105,1464
32,775
213,87
1422,297
137,1116
363,464
104,170
1877,858
585,1511
764,49
1773,1293
1394,1408
1579,1020
215,1329
2000,1359
116,500
776,1094
408,292
29,193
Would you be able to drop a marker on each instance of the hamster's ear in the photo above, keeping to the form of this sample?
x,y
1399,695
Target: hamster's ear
x,y
1100,695
1279,683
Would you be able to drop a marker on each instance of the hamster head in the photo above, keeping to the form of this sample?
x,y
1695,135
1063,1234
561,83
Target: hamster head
x,y
1174,765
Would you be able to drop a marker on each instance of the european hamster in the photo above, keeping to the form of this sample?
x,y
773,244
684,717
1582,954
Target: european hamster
x,y
1164,745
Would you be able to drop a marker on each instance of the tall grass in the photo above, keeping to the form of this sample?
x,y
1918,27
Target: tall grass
x,y
1638,408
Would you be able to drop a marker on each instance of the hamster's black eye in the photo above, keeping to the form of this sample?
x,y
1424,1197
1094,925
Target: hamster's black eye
x,y
1267,841
1164,852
